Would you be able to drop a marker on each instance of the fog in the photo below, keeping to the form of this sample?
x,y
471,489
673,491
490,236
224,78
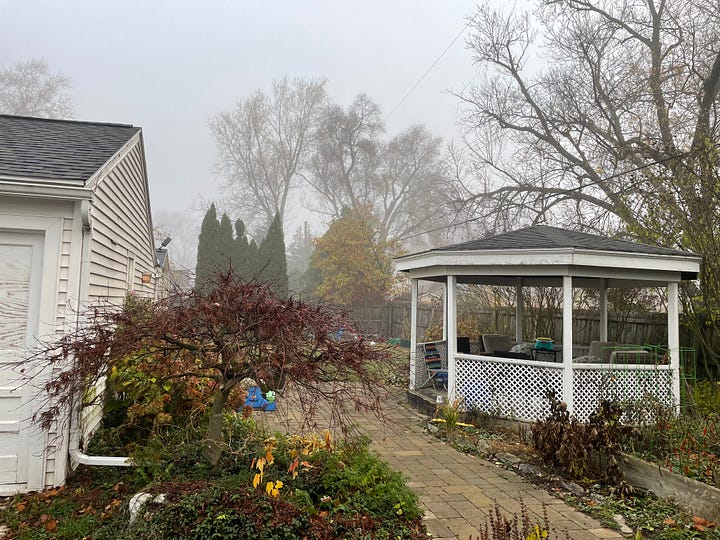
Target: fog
x,y
169,66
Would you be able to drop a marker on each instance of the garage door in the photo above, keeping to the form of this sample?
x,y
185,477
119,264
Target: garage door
x,y
21,463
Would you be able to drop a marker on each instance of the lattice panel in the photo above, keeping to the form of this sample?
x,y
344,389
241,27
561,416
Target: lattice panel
x,y
635,386
505,389
421,372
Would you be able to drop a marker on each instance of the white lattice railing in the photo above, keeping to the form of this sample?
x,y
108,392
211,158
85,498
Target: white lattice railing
x,y
507,387
629,384
514,388
421,372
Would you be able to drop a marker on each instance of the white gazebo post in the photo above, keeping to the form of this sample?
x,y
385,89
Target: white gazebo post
x,y
413,329
603,310
674,341
445,313
451,343
567,343
519,310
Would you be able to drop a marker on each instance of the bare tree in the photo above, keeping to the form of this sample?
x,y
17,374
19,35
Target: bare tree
x,y
29,89
345,155
410,185
618,131
262,144
402,180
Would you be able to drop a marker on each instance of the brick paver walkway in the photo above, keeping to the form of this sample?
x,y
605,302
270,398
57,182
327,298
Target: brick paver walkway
x,y
458,490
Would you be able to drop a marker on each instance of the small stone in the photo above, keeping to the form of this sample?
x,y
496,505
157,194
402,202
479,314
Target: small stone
x,y
136,503
573,488
528,468
141,499
483,447
432,428
508,458
624,529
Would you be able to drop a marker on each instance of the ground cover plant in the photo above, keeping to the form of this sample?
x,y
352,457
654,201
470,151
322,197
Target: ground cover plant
x,y
688,444
555,454
589,453
266,487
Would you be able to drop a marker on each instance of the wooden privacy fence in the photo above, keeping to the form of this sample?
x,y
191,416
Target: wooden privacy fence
x,y
392,320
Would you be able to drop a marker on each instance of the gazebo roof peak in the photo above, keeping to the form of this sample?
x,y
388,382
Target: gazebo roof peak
x,y
547,237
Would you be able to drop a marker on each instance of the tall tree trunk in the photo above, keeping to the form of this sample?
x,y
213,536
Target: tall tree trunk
x,y
213,448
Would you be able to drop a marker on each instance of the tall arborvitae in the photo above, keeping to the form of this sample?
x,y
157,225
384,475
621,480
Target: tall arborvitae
x,y
244,255
208,248
298,258
226,246
272,258
252,257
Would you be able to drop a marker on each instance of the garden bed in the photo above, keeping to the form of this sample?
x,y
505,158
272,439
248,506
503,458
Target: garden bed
x,y
696,497
648,511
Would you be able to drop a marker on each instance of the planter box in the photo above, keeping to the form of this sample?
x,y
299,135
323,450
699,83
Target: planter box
x,y
696,497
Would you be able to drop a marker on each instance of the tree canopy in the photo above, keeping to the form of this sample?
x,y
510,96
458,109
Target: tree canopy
x,y
223,333
262,144
29,89
618,133
352,261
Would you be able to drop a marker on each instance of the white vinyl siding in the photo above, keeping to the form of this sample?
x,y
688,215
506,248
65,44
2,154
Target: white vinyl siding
x,y
122,248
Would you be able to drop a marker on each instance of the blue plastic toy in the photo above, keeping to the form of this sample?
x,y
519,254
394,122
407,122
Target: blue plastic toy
x,y
256,400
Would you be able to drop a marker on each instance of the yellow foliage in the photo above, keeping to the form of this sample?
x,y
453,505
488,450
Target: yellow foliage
x,y
354,260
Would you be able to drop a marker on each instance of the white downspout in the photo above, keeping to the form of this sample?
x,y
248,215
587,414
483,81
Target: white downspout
x,y
78,457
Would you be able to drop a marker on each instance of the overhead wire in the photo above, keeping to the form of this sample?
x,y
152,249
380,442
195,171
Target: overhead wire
x,y
429,69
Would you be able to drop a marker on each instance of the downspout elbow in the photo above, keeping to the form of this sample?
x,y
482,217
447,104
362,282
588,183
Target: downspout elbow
x,y
79,458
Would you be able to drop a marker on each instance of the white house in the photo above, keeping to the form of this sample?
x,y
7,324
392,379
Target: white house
x,y
75,229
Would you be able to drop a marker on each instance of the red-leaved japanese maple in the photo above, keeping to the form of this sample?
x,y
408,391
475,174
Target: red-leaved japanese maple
x,y
225,333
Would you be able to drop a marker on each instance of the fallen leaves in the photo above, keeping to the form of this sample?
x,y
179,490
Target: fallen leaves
x,y
701,524
48,523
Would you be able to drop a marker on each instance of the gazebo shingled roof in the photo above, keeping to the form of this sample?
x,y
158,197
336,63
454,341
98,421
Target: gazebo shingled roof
x,y
544,236
542,254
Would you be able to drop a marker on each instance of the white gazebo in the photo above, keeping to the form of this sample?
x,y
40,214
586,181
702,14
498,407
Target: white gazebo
x,y
549,256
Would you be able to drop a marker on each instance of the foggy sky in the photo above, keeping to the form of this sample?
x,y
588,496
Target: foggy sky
x,y
168,66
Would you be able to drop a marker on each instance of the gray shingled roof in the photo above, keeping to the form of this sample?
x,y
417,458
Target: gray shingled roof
x,y
58,150
546,237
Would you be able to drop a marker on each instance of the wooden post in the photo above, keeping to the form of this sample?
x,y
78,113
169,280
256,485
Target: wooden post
x,y
413,329
451,343
674,341
603,310
445,313
567,343
519,310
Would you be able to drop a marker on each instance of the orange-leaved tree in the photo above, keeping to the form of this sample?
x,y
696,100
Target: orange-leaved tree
x,y
352,261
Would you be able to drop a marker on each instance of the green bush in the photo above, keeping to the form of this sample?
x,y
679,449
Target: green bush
x,y
707,397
